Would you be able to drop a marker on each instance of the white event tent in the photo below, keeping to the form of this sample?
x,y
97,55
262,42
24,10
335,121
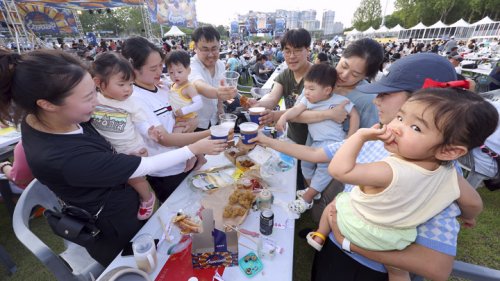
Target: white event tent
x,y
461,30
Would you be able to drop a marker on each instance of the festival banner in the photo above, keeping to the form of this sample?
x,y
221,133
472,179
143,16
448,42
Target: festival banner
x,y
252,25
173,12
83,4
47,20
234,30
279,28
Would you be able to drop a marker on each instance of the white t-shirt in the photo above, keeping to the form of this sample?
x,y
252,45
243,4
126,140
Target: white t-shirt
x,y
208,113
158,109
326,130
122,123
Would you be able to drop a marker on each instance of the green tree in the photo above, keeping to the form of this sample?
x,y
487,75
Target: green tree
x,y
369,13
393,20
123,21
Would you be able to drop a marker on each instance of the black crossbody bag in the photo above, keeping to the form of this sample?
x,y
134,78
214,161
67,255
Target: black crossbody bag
x,y
493,183
75,224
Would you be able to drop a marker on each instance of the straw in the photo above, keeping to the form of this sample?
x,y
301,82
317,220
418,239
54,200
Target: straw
x,y
241,233
167,237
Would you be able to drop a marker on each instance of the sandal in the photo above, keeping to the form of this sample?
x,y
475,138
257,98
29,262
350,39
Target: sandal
x,y
310,239
299,206
300,194
146,208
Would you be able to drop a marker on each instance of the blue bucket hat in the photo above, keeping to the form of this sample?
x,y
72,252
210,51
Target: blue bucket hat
x,y
410,72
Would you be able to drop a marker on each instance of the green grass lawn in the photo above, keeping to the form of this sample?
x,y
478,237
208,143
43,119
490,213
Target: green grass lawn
x,y
480,245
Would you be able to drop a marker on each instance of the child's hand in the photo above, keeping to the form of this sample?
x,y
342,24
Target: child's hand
x,y
468,223
143,152
208,146
154,133
261,139
281,124
376,132
178,113
201,161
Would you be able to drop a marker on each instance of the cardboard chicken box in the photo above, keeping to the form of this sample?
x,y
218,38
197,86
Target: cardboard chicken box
x,y
213,247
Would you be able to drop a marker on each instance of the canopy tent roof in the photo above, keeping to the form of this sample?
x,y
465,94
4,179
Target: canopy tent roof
x,y
396,28
460,23
486,20
383,28
83,4
369,30
438,24
420,25
352,32
174,31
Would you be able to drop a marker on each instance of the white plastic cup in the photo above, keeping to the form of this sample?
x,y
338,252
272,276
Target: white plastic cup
x,y
219,132
228,120
144,249
231,78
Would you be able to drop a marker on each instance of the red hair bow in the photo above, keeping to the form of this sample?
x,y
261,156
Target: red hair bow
x,y
429,83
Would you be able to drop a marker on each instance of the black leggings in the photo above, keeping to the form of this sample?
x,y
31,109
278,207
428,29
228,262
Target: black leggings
x,y
332,263
118,224
164,186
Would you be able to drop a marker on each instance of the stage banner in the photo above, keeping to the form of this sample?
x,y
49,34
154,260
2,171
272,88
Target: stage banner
x,y
262,22
173,12
279,28
252,25
47,20
83,4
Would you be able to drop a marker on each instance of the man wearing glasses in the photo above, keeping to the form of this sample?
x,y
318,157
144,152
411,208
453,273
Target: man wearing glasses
x,y
289,85
207,75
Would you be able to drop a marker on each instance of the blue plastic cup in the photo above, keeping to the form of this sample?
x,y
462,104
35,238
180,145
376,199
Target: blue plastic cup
x,y
248,131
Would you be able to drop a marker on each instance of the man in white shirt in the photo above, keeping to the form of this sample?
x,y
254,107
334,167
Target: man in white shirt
x,y
207,75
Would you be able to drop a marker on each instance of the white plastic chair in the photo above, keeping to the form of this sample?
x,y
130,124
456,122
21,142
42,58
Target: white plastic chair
x,y
75,263
472,176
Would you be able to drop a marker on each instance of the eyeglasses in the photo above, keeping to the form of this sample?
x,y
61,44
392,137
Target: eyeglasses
x,y
206,50
295,52
488,151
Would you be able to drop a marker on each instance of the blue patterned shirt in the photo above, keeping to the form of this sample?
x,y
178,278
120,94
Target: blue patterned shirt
x,y
439,233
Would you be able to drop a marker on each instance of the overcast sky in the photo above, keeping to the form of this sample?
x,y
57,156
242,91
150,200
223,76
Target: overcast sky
x,y
222,11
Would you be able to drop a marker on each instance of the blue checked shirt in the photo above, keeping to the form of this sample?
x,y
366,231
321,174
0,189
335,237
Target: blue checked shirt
x,y
439,233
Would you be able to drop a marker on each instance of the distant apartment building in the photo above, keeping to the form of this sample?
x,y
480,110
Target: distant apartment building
x,y
281,20
328,22
338,28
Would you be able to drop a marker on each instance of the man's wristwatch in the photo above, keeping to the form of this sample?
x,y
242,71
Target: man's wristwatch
x,y
346,245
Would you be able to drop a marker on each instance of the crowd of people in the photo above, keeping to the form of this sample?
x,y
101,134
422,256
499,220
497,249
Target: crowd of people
x,y
356,114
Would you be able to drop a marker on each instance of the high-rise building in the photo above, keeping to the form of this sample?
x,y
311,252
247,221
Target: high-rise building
x,y
328,21
308,15
255,22
310,25
338,28
293,19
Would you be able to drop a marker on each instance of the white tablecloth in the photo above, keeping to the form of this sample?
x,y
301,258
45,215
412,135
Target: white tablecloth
x,y
9,138
269,83
279,268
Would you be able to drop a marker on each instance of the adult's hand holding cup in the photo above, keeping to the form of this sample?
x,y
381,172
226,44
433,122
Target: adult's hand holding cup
x,y
255,113
248,131
219,132
229,86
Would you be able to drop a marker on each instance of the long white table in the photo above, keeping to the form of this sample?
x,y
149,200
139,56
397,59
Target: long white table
x,y
479,71
9,136
269,83
279,268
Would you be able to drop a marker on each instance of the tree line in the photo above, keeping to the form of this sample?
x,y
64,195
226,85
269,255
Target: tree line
x,y
408,13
